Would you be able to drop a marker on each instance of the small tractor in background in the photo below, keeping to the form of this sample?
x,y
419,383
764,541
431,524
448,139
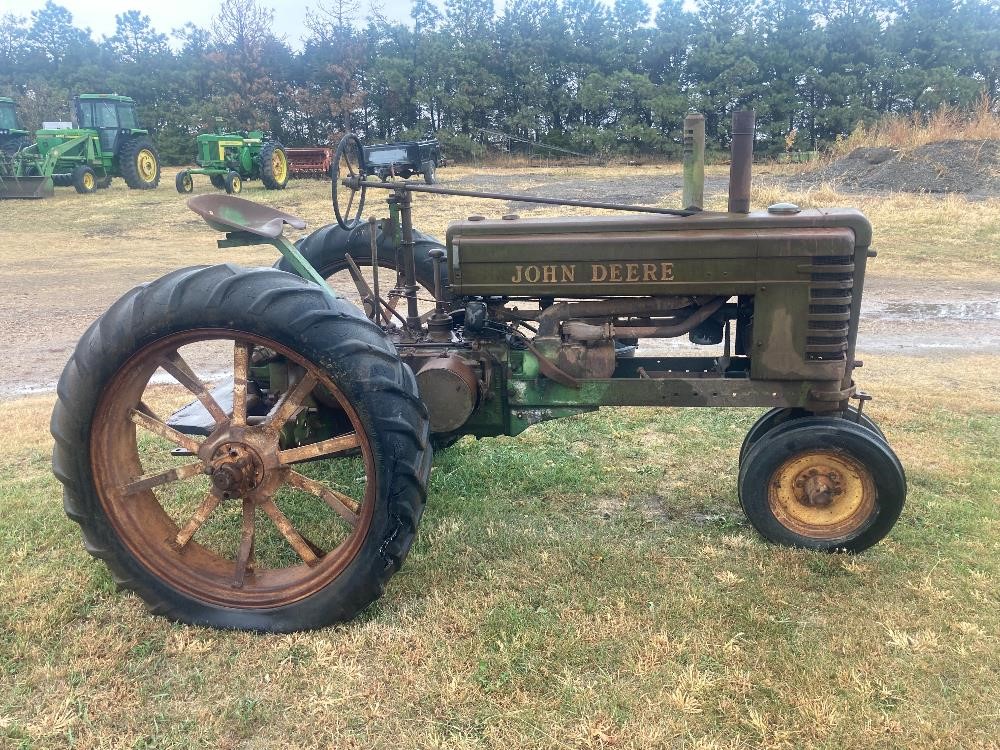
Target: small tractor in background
x,y
106,143
231,158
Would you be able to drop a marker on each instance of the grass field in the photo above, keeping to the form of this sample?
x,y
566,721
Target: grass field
x,y
589,584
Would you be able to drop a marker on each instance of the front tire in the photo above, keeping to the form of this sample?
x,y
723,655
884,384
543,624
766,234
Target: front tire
x,y
234,183
782,415
84,180
140,163
822,483
430,173
135,504
184,182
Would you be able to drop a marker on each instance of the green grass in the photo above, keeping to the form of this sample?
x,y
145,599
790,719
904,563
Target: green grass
x,y
591,583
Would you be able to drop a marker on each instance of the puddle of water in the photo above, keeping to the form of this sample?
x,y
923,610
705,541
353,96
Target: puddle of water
x,y
978,310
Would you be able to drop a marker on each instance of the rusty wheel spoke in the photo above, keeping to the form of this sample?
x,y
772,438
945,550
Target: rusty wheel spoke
x,y
317,450
350,201
241,376
288,531
245,550
174,364
145,420
344,506
291,402
207,507
148,481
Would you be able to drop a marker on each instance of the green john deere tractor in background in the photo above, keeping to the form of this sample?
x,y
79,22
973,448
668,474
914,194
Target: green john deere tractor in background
x,y
106,143
12,139
231,158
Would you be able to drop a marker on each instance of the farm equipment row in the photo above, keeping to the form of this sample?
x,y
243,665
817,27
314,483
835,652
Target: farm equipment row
x,y
288,490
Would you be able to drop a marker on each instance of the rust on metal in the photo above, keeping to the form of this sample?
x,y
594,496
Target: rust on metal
x,y
311,451
346,507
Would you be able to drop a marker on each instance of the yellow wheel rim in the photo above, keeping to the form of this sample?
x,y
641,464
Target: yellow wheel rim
x,y
279,165
822,494
237,184
146,165
188,183
88,181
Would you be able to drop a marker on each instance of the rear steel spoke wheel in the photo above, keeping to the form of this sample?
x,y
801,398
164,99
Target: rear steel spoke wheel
x,y
297,496
348,174
822,483
326,250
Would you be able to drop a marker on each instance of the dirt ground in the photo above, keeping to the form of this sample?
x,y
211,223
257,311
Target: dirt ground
x,y
63,261
968,167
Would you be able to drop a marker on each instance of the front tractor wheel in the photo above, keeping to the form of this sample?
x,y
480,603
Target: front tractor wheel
x,y
84,180
297,495
184,182
274,166
233,183
822,483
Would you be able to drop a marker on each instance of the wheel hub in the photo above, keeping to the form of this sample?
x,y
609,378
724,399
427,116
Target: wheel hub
x,y
236,470
818,487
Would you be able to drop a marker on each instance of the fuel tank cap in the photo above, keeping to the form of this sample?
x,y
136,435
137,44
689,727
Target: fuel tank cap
x,y
783,208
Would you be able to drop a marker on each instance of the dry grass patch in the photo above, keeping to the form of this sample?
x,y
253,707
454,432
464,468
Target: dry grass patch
x,y
979,123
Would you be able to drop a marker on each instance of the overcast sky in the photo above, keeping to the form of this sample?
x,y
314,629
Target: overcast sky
x,y
99,15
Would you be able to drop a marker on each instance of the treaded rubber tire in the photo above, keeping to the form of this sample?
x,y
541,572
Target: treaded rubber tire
x,y
14,145
780,415
128,160
218,181
267,168
354,352
822,433
79,176
325,249
183,183
430,173
62,180
233,183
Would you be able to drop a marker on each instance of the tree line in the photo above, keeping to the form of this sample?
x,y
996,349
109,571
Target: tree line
x,y
578,74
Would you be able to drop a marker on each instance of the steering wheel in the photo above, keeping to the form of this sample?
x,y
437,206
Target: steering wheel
x,y
348,172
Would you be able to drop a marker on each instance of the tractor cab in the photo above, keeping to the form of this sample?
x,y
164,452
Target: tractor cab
x,y
113,117
8,117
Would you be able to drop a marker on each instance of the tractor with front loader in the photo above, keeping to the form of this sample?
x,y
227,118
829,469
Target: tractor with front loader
x,y
105,143
249,448
230,159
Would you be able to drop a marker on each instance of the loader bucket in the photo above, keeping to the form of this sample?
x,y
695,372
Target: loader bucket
x,y
26,187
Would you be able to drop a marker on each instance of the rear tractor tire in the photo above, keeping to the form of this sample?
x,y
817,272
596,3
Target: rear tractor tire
x,y
84,180
274,166
233,183
140,163
184,182
822,483
246,526
430,173
218,181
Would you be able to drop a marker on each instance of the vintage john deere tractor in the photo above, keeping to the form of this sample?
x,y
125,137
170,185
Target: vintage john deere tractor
x,y
285,494
229,159
106,143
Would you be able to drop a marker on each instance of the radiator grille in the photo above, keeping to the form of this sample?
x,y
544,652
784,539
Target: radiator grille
x,y
830,297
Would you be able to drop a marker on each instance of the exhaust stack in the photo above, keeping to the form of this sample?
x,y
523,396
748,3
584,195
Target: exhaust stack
x,y
741,162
